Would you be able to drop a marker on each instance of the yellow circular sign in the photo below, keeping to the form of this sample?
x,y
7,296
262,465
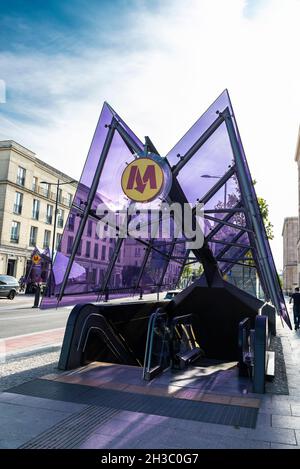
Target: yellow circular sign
x,y
36,259
142,180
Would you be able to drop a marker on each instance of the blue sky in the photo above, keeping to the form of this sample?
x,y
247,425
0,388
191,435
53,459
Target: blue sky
x,y
56,26
159,63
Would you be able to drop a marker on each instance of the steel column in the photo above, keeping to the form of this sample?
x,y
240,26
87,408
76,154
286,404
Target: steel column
x,y
89,202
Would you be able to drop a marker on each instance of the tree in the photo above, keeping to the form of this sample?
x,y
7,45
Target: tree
x,y
264,210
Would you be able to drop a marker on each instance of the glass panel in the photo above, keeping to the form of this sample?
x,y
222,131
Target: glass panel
x,y
136,266
90,265
198,128
207,166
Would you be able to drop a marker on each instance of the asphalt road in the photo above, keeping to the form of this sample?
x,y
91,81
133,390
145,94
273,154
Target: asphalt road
x,y
17,317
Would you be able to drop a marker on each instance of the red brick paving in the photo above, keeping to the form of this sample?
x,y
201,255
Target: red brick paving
x,y
35,340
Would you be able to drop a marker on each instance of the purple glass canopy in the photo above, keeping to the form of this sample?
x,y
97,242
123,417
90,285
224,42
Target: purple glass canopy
x,y
209,166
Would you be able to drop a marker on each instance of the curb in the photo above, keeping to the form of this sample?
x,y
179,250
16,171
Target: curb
x,y
28,352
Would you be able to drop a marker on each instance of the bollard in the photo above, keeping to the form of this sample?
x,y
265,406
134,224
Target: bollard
x,y
37,297
260,344
141,294
106,295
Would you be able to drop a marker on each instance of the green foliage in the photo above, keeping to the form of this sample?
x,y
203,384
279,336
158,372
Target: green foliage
x,y
264,210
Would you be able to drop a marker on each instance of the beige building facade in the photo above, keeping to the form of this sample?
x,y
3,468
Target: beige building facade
x,y
28,191
290,234
297,159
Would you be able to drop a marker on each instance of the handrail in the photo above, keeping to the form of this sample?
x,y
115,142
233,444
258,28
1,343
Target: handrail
x,y
149,341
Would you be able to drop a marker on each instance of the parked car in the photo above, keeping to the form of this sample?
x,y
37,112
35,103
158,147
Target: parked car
x,y
9,287
171,293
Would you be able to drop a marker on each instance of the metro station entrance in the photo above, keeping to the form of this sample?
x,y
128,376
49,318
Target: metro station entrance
x,y
122,323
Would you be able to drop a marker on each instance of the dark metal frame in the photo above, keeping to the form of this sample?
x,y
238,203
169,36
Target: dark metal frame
x,y
247,205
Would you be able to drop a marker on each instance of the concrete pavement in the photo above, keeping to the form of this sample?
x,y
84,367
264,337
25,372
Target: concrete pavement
x,y
17,317
37,421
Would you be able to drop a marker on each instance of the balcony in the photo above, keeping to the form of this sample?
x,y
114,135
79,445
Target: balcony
x,y
49,219
14,239
35,215
60,223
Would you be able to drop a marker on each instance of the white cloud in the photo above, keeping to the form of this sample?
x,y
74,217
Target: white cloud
x,y
178,60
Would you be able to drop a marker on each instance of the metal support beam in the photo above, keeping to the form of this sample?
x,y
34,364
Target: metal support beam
x,y
167,263
236,238
111,266
91,196
253,210
218,227
221,182
231,244
223,222
198,144
236,259
183,265
131,144
225,210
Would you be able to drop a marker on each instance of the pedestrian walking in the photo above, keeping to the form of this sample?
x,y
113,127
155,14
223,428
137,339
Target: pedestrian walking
x,y
295,298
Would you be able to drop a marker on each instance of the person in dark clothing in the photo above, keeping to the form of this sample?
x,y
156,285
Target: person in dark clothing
x,y
295,297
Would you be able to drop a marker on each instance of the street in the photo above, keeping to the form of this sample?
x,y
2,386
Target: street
x,y
17,317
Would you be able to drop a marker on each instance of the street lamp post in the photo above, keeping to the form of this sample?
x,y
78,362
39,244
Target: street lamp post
x,y
57,184
208,176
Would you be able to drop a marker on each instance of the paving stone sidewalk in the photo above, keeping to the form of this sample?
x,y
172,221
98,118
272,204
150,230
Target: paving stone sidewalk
x,y
28,421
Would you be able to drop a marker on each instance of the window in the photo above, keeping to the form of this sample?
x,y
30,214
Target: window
x,y
58,241
34,184
60,218
137,252
47,236
35,209
88,249
103,253
94,275
69,199
18,203
111,251
15,232
21,175
33,236
70,244
96,251
90,228
59,195
79,248
49,214
71,222
46,189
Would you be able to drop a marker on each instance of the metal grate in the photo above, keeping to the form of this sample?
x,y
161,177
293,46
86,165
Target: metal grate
x,y
73,430
223,414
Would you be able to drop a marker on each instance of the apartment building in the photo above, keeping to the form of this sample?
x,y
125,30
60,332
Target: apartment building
x,y
28,192
290,237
